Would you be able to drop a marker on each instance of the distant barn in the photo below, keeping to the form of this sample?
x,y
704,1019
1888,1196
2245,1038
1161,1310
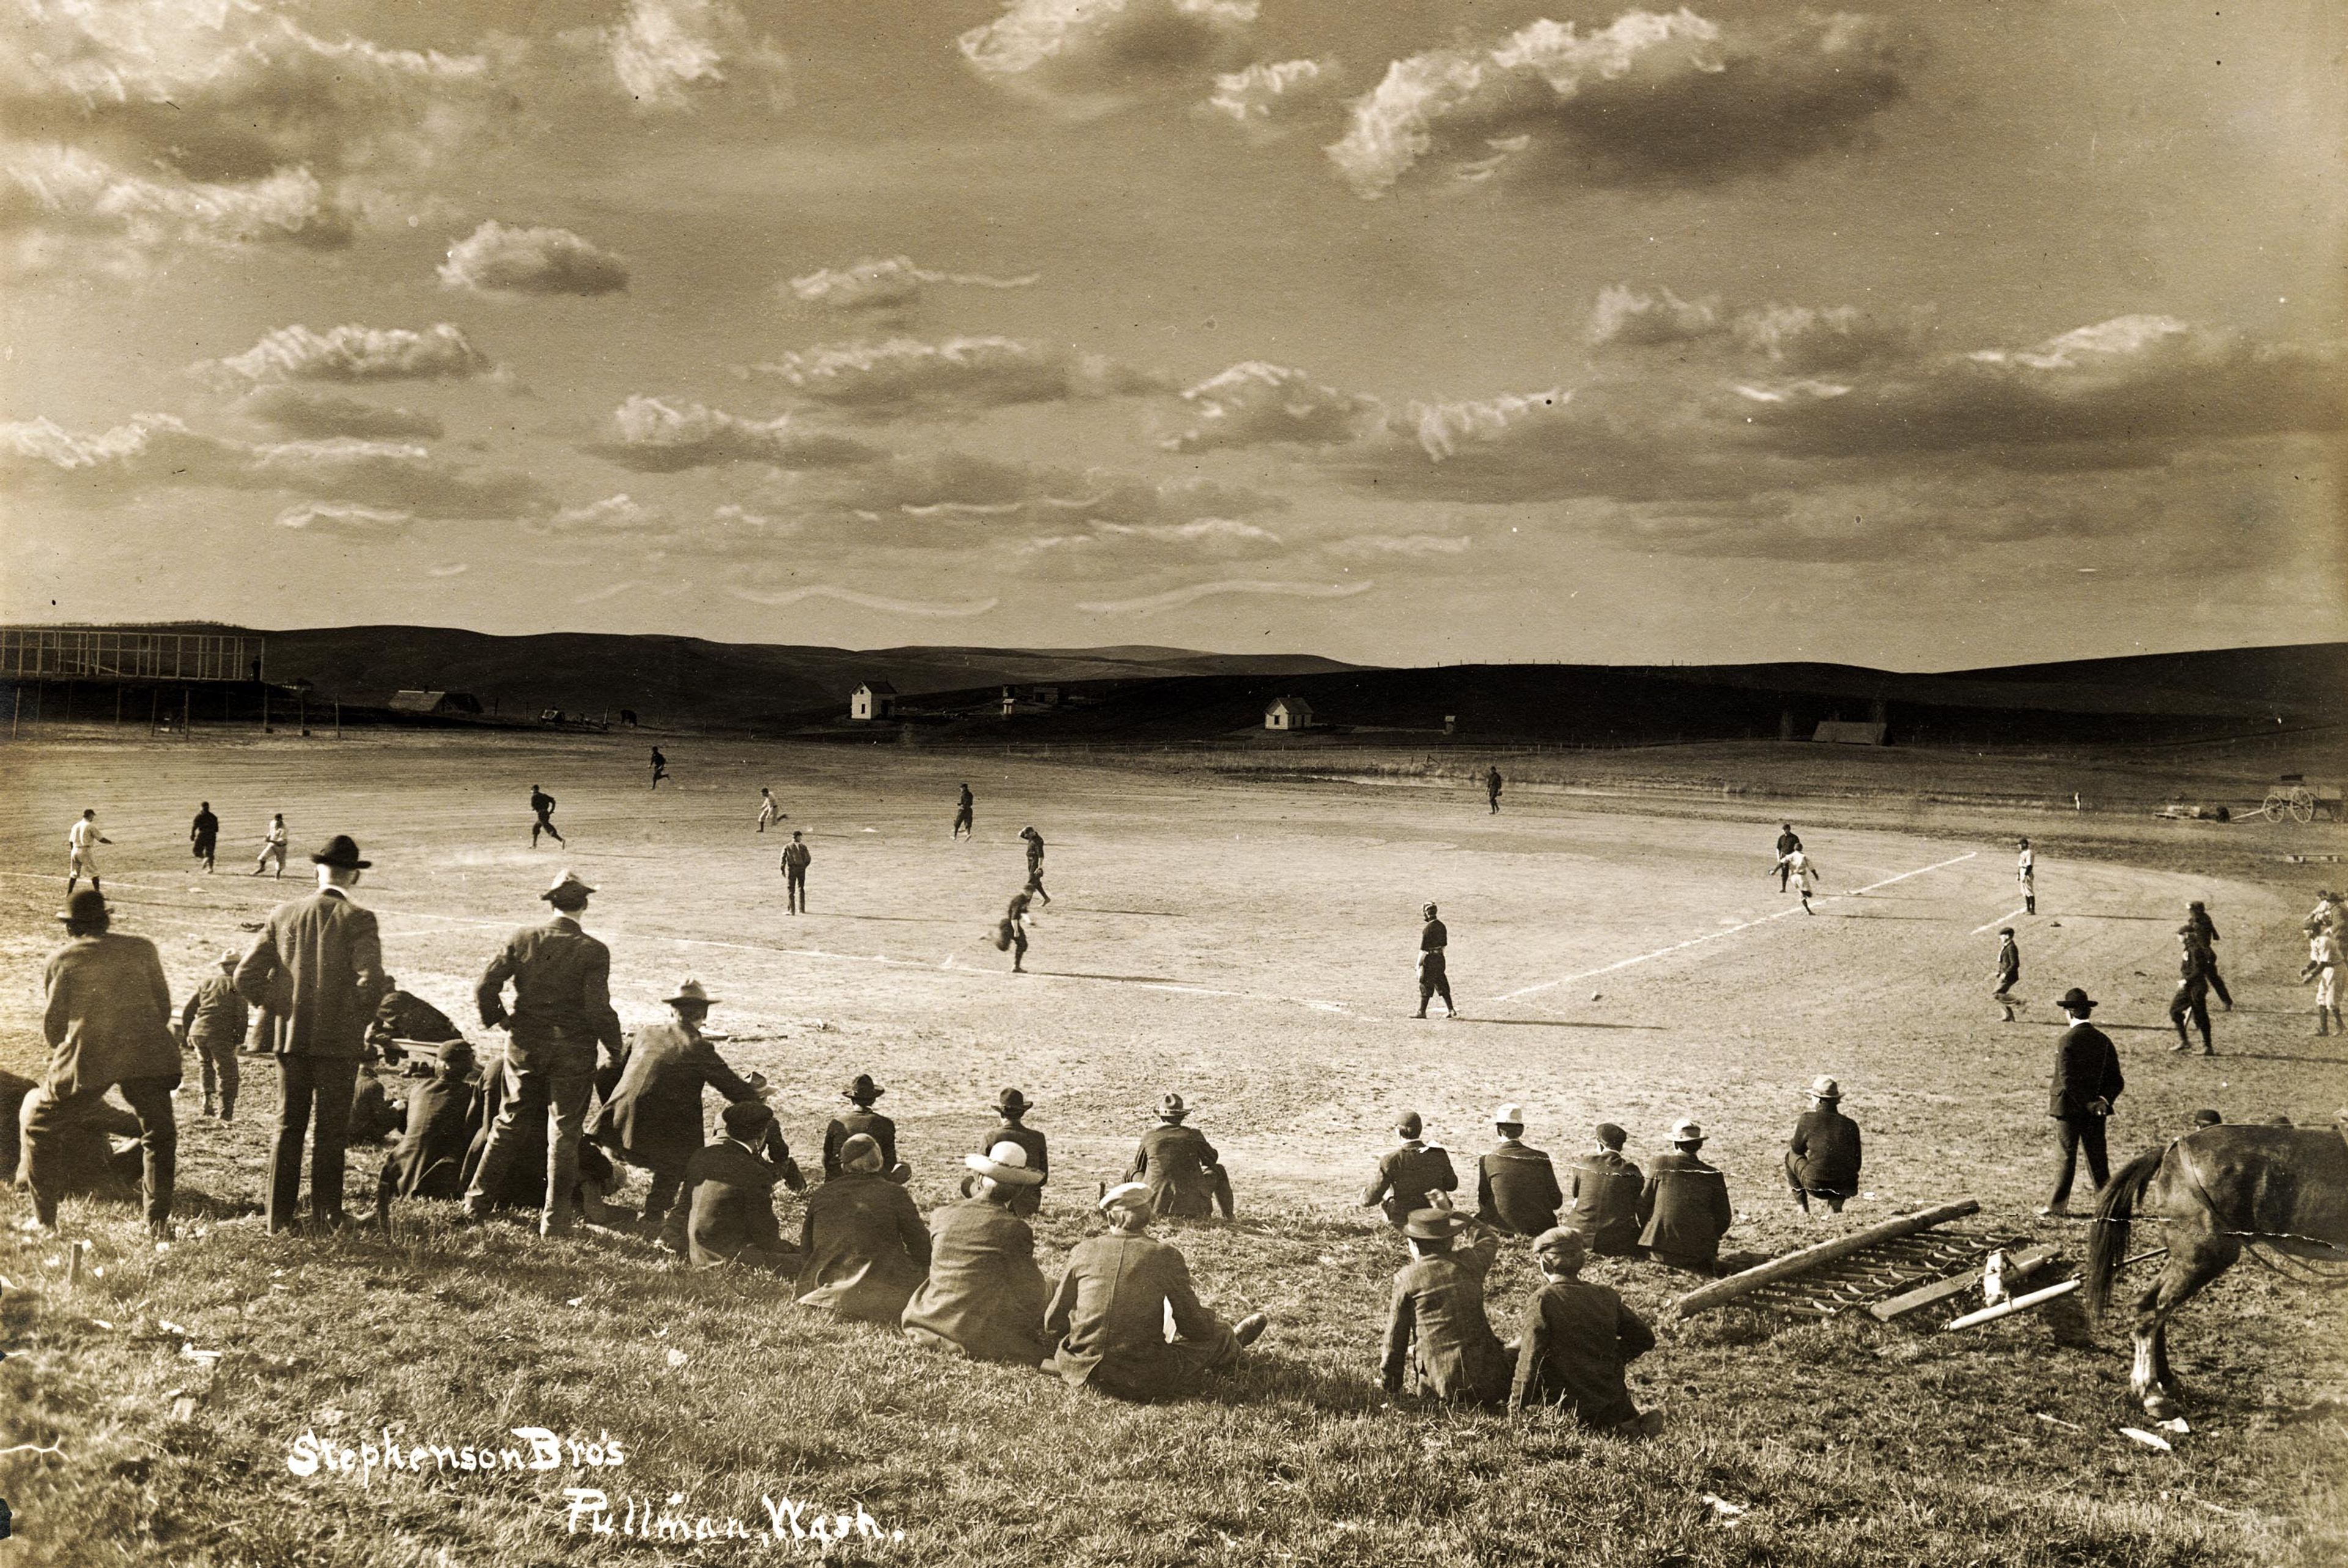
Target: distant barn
x,y
873,700
441,704
1288,714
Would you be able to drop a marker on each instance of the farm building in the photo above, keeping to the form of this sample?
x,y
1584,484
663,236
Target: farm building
x,y
873,700
441,704
1288,714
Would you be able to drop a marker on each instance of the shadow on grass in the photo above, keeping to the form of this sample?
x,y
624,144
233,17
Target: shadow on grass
x,y
893,919
1153,914
1121,979
2279,1056
1559,1023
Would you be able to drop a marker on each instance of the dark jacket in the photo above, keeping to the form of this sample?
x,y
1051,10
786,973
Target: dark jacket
x,y
372,1117
443,1114
1605,1192
1025,1202
1406,1176
318,965
109,1014
562,996
2086,1069
1515,1190
524,1186
1106,1318
1172,1161
866,1249
1572,1347
653,1115
204,829
730,1204
1437,1320
1433,937
404,1015
845,1125
1825,1151
1684,1208
985,1295
215,1014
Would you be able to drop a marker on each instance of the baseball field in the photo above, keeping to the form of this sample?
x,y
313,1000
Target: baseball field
x,y
1618,953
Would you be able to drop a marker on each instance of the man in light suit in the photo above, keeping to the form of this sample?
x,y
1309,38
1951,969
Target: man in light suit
x,y
318,965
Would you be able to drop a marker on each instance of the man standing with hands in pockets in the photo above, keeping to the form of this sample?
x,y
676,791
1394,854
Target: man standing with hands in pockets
x,y
2087,1081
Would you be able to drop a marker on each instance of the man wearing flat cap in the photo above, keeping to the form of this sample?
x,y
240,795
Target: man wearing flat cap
x,y
1605,1187
1516,1186
653,1118
1436,1324
106,1016
561,1014
866,1250
861,1118
1685,1205
1574,1341
214,1023
443,1114
730,1194
1107,1325
1024,1199
1408,1173
318,965
1183,1174
2087,1081
984,1296
1822,1158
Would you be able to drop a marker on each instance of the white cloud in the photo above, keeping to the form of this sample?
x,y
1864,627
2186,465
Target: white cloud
x,y
657,437
1269,93
1173,598
1091,56
950,494
1126,548
935,609
1371,547
500,258
346,520
613,514
1255,402
1624,316
352,353
1805,341
887,287
611,590
957,374
1443,429
448,569
307,412
69,195
1651,99
666,52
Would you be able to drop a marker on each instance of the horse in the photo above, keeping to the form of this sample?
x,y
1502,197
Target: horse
x,y
2210,1193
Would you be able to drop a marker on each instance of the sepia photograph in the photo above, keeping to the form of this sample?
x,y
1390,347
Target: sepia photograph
x,y
966,783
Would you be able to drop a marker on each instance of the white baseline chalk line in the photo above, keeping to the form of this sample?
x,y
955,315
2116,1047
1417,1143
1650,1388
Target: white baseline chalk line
x,y
2002,919
1727,931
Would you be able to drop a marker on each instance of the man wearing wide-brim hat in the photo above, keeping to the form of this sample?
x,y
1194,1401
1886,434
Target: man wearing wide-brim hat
x,y
860,1117
561,1014
985,1295
865,1248
1516,1186
318,965
1183,1174
1822,1158
1436,1322
2087,1081
1684,1208
1408,1172
1107,1326
653,1117
106,1016
1026,1200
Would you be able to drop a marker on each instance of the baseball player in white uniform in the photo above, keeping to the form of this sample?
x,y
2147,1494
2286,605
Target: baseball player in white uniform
x,y
82,840
2025,872
1804,872
273,845
2323,963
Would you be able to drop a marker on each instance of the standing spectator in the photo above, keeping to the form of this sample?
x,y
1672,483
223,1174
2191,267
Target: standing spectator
x,y
1434,976
2025,872
82,840
1788,841
1605,1190
1516,1186
1685,1205
795,857
964,822
2193,997
541,806
1822,1159
2009,971
203,834
318,965
214,1021
273,846
561,1012
108,1021
652,1116
2086,1081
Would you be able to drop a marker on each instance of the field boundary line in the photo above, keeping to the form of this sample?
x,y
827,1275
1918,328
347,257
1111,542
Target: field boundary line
x,y
2000,920
1728,931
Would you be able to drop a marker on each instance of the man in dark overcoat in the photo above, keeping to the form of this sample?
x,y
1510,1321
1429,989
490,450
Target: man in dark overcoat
x,y
2087,1081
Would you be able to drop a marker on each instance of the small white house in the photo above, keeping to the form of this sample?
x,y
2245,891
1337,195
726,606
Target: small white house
x,y
873,700
1288,714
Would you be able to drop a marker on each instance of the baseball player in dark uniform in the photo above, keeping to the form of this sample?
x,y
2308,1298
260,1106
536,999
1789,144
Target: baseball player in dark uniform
x,y
1433,979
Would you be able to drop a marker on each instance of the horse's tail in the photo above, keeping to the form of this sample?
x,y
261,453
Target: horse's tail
x,y
2107,1233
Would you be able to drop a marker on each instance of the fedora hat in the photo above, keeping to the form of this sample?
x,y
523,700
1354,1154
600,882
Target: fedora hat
x,y
87,908
1170,1107
864,1091
1011,1102
1125,1195
745,1119
691,991
1510,1115
1007,1162
229,959
1686,1131
1825,1088
2076,1001
1433,1225
567,889
342,853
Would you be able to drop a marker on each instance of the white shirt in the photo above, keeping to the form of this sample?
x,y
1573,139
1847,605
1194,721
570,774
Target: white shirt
x,y
82,834
766,808
276,834
2025,862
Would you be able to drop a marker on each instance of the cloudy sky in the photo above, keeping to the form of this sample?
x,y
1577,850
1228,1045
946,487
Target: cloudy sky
x,y
1926,335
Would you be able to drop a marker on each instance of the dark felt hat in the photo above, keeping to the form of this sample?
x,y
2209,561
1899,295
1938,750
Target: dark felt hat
x,y
2076,1001
864,1091
1433,1225
745,1119
86,907
1011,1102
342,853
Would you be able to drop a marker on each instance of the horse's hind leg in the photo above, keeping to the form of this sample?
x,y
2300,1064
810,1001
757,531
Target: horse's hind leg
x,y
2194,1260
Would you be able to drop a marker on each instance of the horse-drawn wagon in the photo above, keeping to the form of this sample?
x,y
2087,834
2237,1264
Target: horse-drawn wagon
x,y
2293,796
